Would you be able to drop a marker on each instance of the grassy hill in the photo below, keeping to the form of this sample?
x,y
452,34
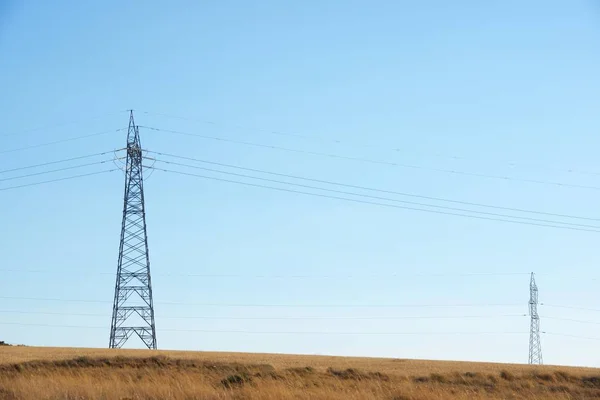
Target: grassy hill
x,y
70,373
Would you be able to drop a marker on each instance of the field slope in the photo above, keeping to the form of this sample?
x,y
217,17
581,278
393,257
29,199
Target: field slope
x,y
70,373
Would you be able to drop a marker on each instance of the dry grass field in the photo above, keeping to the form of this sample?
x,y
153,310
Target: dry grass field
x,y
70,373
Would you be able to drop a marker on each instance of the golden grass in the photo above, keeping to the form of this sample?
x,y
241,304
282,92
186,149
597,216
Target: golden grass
x,y
66,373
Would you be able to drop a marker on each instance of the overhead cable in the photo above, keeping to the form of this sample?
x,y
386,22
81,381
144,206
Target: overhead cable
x,y
279,276
57,180
371,161
365,145
60,124
548,225
54,170
463,210
284,318
278,332
64,160
61,141
281,305
374,189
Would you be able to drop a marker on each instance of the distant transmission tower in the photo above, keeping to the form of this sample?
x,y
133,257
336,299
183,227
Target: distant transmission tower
x,y
535,347
133,310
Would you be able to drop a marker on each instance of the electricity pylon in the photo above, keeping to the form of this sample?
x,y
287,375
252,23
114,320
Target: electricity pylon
x,y
535,347
133,310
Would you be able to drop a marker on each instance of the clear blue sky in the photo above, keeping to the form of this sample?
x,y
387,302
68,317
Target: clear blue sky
x,y
496,88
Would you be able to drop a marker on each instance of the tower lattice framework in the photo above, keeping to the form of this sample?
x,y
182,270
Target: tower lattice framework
x,y
535,346
133,309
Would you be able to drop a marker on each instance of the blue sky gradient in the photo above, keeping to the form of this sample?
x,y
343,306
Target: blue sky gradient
x,y
507,89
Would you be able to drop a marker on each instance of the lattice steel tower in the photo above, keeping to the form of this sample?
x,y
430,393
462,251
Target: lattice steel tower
x,y
535,347
133,310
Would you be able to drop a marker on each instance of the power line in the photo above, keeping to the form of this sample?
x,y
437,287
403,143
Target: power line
x,y
571,336
372,161
573,320
58,125
57,180
56,162
284,318
570,307
276,332
335,276
548,225
61,141
383,198
245,305
54,170
279,133
301,318
374,189
267,276
390,148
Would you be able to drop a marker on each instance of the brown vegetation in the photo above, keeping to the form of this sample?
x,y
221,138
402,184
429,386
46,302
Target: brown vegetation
x,y
45,373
